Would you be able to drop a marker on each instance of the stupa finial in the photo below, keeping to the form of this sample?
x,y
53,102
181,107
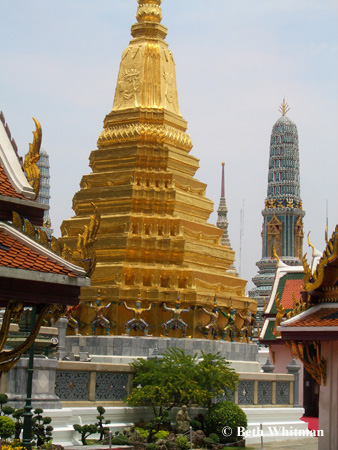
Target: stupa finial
x,y
284,107
149,11
222,184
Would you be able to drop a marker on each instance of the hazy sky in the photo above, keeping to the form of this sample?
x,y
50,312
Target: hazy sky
x,y
235,60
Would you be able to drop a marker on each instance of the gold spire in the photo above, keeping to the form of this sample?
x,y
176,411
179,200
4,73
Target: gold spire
x,y
284,107
147,77
149,11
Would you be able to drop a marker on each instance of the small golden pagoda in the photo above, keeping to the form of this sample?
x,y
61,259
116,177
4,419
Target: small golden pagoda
x,y
154,245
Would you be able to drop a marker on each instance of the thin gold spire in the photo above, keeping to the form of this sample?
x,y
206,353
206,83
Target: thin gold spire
x,y
284,107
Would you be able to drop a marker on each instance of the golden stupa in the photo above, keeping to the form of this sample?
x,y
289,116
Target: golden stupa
x,y
154,244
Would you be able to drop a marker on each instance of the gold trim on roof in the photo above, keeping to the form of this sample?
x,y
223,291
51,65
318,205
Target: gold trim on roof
x,y
313,280
32,157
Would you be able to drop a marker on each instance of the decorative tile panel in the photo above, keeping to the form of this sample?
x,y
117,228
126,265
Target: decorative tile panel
x,y
264,392
72,385
246,392
282,392
111,386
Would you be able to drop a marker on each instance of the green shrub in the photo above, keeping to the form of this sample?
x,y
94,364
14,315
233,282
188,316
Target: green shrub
x,y
152,446
208,442
7,427
214,437
142,432
162,434
120,439
225,414
195,425
182,442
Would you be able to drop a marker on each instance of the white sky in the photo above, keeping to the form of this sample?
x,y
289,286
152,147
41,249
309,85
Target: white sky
x,y
235,60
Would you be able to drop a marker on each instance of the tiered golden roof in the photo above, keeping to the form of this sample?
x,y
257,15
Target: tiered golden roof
x,y
154,236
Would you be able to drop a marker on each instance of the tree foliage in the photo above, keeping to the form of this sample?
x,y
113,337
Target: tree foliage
x,y
101,421
7,427
85,431
178,378
41,427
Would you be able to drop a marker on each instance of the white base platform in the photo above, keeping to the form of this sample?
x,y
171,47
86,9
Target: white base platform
x,y
273,420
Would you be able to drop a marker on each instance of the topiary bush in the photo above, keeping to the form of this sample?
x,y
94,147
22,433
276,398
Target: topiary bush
x,y
7,427
225,414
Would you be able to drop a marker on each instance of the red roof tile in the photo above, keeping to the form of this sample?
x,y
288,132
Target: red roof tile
x,y
6,187
324,317
14,254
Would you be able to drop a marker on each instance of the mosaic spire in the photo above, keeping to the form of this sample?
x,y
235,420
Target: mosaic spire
x,y
44,192
282,233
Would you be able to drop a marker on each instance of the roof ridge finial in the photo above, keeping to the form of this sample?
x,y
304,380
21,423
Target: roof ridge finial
x,y
284,107
222,183
149,11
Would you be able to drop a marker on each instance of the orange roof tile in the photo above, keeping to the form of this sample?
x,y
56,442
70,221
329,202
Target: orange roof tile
x,y
6,187
14,254
292,287
324,317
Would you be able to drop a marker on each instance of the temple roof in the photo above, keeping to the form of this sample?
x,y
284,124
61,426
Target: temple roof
x,y
6,187
11,165
319,307
286,288
319,322
30,271
22,252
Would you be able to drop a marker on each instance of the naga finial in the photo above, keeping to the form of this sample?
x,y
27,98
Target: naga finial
x,y
310,245
32,157
284,107
149,11
274,254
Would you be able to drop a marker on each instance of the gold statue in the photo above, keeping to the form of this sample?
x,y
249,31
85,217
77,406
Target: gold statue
x,y
99,319
212,325
72,322
250,324
175,322
137,323
86,241
32,157
229,328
